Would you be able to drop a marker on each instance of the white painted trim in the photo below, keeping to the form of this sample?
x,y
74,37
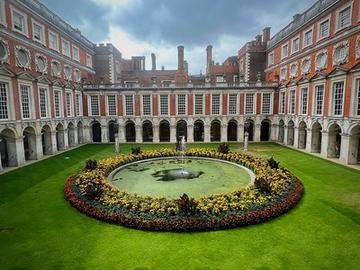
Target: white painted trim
x,y
337,12
292,43
31,99
314,105
47,100
311,28
186,104
327,18
331,99
64,41
33,22
2,13
142,105
26,27
10,98
57,49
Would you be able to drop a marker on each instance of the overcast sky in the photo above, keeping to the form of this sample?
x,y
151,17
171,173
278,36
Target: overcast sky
x,y
140,27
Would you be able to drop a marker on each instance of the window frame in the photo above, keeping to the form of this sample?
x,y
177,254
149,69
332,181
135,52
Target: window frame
x,y
332,97
133,104
315,101
63,40
282,50
30,97
220,103
202,105
78,107
71,105
47,98
282,107
142,104
271,56
24,15
57,41
61,107
301,103
236,103
177,104
89,60
77,59
8,99
292,43
312,36
34,22
337,13
91,107
270,104
328,19
108,106
3,13
290,105
168,106
253,105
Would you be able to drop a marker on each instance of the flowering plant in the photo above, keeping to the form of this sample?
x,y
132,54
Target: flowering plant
x,y
274,192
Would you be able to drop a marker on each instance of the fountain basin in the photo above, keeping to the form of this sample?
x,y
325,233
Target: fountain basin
x,y
171,177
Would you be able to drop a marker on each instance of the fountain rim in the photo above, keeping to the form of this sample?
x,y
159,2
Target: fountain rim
x,y
250,172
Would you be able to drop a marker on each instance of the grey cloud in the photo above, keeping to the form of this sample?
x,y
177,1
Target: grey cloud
x,y
90,18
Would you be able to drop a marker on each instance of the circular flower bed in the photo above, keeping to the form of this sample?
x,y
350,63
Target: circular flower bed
x,y
274,192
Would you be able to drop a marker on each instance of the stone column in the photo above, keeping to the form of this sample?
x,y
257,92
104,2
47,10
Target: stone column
x,y
240,133
296,137
190,133
207,131
257,133
156,138
121,133
353,149
173,134
324,143
20,154
66,139
54,148
274,132
39,146
138,131
86,135
224,133
308,140
104,134
344,150
286,135
76,139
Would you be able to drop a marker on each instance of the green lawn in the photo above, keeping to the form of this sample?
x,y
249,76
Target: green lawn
x,y
39,229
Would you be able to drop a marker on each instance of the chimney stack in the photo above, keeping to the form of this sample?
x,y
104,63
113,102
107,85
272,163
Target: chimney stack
x,y
258,39
266,34
153,61
186,66
209,60
180,57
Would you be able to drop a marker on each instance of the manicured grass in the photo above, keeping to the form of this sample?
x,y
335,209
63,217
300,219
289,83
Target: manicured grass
x,y
40,230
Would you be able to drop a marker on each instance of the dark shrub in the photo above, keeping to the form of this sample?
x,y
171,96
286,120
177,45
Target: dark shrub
x,y
136,150
91,165
223,148
93,190
262,184
187,206
273,163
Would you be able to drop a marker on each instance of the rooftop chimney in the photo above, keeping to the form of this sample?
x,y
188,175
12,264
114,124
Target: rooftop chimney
x,y
153,61
209,60
258,39
180,57
186,66
266,34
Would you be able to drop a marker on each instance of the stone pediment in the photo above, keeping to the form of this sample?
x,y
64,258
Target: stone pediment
x,y
43,79
318,76
24,75
338,71
58,83
5,71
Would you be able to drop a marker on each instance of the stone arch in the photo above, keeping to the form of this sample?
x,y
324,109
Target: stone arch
x,y
8,148
147,131
164,131
290,132
46,140
281,131
199,131
130,131
265,130
29,142
354,145
316,137
60,137
334,141
302,135
80,131
232,135
181,129
96,131
249,128
113,130
71,134
215,131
